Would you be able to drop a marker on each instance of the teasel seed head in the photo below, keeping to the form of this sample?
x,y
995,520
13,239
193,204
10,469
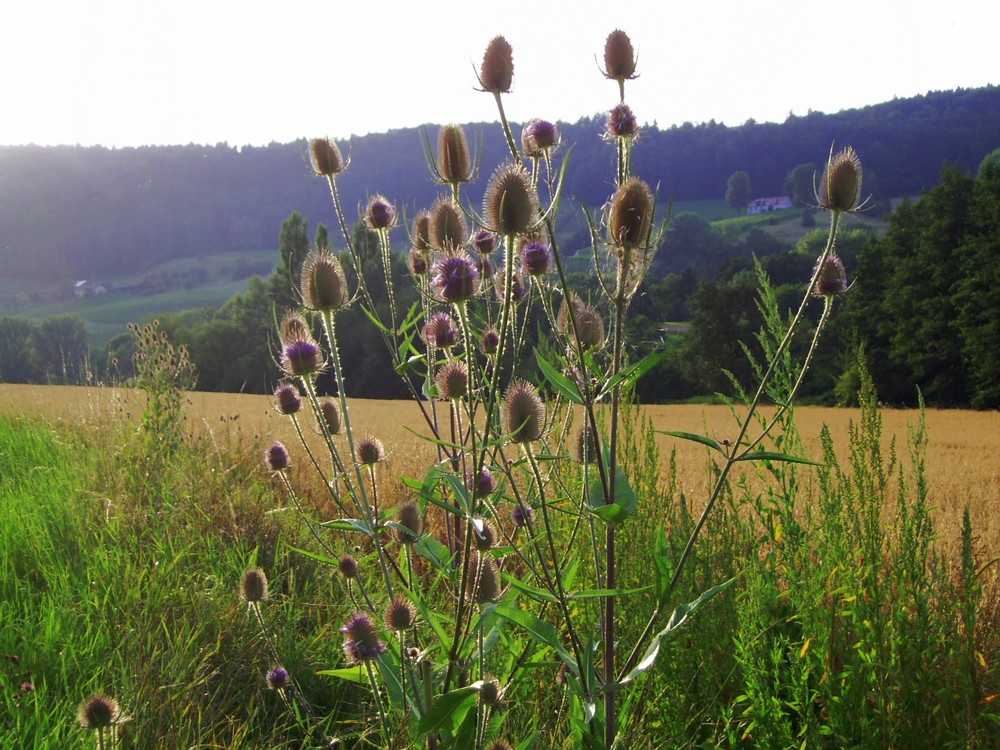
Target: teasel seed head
x,y
622,123
324,286
536,258
277,457
484,486
277,677
447,230
294,328
489,692
523,412
400,615
330,413
454,160
484,241
831,280
454,277
840,187
325,157
619,57
452,380
287,400
500,745
99,711
380,213
421,237
408,516
441,331
483,584
511,203
586,445
589,323
370,451
496,74
490,341
348,567
417,261
486,538
539,137
631,215
361,641
517,288
522,516
253,585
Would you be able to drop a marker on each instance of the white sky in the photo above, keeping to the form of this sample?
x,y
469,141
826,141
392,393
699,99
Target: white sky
x,y
134,72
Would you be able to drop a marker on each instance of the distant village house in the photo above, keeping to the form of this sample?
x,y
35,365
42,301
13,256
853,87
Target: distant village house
x,y
763,205
85,288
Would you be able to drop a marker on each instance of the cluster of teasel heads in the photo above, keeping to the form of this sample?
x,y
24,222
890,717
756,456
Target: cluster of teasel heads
x,y
453,267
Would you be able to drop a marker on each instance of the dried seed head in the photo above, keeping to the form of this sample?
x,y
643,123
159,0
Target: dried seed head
x,y
489,692
417,261
276,457
523,412
482,585
622,123
538,137
452,380
324,286
454,277
330,412
421,238
361,641
294,328
325,157
619,57
277,677
511,203
840,188
522,516
497,71
348,567
400,615
454,160
253,586
380,213
370,451
485,538
831,279
500,745
286,398
586,445
484,486
99,711
490,341
441,331
589,323
536,258
447,230
631,215
408,516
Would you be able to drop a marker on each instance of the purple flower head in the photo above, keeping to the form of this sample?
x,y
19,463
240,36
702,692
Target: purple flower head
x,y
490,342
441,331
484,241
277,677
27,687
277,457
622,122
418,263
348,566
301,357
484,485
538,137
361,641
286,398
522,516
517,290
455,277
535,258
380,214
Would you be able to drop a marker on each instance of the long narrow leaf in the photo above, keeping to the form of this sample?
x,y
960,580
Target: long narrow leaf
x,y
695,438
557,380
776,456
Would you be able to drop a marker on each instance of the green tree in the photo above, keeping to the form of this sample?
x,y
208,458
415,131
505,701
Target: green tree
x,y
800,185
17,351
738,191
61,349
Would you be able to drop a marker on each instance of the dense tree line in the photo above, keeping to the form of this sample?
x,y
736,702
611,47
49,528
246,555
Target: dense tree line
x,y
74,212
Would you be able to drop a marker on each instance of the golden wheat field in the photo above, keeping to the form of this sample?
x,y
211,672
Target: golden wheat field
x,y
963,456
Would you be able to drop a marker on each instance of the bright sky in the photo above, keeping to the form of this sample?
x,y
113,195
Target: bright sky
x,y
134,72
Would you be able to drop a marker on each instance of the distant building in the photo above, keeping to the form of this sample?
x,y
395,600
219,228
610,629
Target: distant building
x,y
774,203
85,288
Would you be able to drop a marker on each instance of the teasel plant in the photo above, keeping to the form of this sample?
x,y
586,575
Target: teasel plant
x,y
455,616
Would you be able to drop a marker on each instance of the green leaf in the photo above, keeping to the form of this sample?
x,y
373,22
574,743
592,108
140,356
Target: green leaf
x,y
539,595
695,438
539,630
348,524
388,669
633,372
625,503
434,552
351,674
776,456
448,710
313,556
557,380
600,593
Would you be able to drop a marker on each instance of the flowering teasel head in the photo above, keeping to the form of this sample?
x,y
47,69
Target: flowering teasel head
x,y
510,206
277,677
370,451
631,215
454,160
622,123
447,228
325,157
417,261
522,515
619,59
536,258
253,586
348,567
441,331
287,400
496,74
452,380
324,285
500,745
380,213
300,354
840,186
408,516
523,412
400,615
294,328
489,692
483,584
484,538
484,485
277,458
330,414
831,278
484,241
490,341
454,277
538,138
361,641
99,712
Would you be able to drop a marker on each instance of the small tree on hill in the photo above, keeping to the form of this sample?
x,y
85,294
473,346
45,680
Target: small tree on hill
x,y
738,191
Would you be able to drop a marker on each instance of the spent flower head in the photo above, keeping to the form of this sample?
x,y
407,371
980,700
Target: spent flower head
x,y
441,331
447,229
454,162
400,615
287,400
619,59
831,279
510,206
330,414
408,516
99,712
417,261
324,285
325,157
380,213
253,585
483,584
452,380
840,186
370,451
523,412
496,74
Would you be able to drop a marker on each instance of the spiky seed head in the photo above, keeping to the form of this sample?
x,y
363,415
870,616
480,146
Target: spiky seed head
x,y
325,157
631,215
276,457
301,358
523,412
511,203
417,261
447,229
622,123
522,516
831,279
484,241
370,451
454,277
517,288
452,380
538,137
99,711
454,159
324,286
361,641
496,74
421,237
840,188
380,213
490,342
500,745
294,328
482,585
619,57
286,398
489,693
485,266
400,615
330,412
484,485
408,516
277,677
536,258
589,323
348,567
253,585
485,538
441,331
586,445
